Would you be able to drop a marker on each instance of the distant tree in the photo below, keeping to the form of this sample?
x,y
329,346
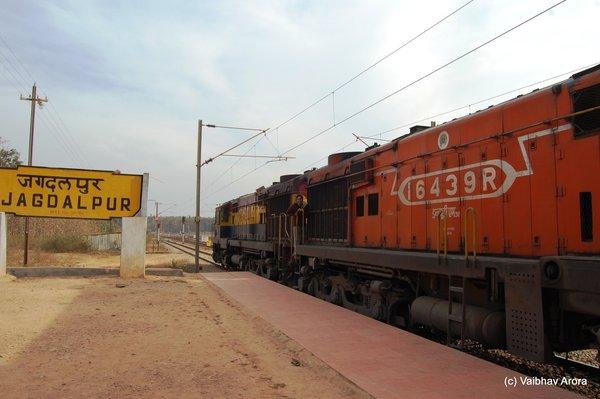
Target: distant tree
x,y
9,157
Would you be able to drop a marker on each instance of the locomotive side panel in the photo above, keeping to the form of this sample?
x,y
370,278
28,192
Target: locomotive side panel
x,y
492,236
578,160
531,206
470,189
359,223
433,187
404,219
517,205
451,209
481,181
544,226
416,194
388,206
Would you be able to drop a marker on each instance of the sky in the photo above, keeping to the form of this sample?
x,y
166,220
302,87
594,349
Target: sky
x,y
127,82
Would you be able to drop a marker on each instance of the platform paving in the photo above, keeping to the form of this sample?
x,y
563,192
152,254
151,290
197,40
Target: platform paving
x,y
383,360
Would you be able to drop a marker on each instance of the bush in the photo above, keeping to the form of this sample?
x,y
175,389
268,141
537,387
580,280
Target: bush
x,y
179,264
65,243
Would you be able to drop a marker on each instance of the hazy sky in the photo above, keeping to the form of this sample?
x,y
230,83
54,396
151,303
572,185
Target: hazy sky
x,y
129,80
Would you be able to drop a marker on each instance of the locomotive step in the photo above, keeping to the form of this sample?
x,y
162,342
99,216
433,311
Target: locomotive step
x,y
455,318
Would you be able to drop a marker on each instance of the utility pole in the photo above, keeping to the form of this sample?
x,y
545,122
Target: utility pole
x,y
199,165
40,101
183,229
198,176
157,227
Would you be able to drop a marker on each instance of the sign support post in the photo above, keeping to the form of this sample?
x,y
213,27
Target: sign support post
x,y
133,239
3,239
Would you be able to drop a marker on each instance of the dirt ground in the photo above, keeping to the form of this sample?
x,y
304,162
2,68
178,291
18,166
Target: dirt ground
x,y
153,338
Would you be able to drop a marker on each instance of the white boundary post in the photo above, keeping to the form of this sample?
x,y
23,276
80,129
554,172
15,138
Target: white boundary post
x,y
133,239
3,239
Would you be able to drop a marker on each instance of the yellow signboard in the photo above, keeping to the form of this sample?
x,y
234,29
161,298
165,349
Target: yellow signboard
x,y
69,193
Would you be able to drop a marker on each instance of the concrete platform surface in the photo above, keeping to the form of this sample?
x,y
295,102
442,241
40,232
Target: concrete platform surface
x,y
51,271
383,360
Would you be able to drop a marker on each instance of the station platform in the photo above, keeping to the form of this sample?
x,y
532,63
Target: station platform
x,y
382,360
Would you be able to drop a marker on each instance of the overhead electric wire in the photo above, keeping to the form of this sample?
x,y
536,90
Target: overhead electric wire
x,y
332,92
398,91
212,183
375,135
16,83
234,147
372,66
423,77
43,116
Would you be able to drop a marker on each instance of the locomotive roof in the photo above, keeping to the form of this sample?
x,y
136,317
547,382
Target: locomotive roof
x,y
277,188
330,171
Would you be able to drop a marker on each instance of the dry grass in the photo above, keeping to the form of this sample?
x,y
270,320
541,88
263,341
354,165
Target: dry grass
x,y
51,235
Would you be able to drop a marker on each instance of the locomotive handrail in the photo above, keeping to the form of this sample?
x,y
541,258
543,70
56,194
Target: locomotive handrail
x,y
470,211
273,216
287,233
302,219
439,227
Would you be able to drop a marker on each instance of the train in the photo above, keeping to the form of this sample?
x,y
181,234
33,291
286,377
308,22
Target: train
x,y
485,227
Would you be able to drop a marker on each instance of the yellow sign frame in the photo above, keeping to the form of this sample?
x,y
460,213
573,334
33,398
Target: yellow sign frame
x,y
38,191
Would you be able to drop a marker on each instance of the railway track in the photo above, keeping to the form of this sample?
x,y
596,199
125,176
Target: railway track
x,y
574,364
187,249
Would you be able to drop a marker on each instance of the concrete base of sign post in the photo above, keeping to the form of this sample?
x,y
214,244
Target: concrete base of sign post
x,y
3,239
133,247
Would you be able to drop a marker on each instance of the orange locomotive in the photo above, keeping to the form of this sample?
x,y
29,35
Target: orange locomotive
x,y
486,227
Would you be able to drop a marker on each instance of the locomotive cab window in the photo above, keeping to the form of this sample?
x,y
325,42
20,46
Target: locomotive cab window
x,y
373,204
583,100
360,206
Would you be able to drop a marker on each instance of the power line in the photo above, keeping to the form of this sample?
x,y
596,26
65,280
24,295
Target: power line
x,y
374,135
68,135
423,77
402,46
15,81
12,80
212,183
234,147
372,66
234,163
67,139
49,125
398,91
347,82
